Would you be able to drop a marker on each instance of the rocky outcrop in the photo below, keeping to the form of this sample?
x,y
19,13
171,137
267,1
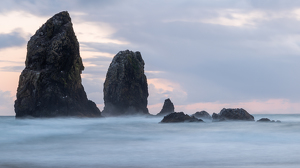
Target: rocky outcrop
x,y
179,117
202,115
237,114
167,108
50,85
267,120
125,87
264,120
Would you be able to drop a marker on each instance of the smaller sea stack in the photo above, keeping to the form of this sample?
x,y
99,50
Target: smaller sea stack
x,y
125,87
167,108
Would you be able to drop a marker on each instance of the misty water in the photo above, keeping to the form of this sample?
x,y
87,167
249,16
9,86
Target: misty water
x,y
143,142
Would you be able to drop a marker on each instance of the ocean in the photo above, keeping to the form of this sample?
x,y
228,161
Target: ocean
x,y
143,142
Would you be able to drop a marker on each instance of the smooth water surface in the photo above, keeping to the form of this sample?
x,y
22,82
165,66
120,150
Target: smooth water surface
x,y
144,142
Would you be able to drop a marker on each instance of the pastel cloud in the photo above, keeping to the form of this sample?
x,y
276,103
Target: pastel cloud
x,y
201,54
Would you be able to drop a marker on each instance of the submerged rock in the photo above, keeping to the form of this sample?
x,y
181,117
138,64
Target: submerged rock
x,y
50,85
202,115
233,114
267,120
264,120
179,117
167,108
125,87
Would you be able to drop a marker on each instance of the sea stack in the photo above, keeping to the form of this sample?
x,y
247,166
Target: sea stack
x,y
125,87
167,108
50,85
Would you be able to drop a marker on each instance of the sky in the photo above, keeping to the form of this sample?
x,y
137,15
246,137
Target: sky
x,y
202,54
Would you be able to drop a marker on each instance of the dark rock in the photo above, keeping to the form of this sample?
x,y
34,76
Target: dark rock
x,y
179,117
202,115
167,108
125,87
264,120
233,114
50,85
267,120
215,116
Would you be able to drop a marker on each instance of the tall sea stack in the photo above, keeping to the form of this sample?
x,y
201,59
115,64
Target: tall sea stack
x,y
125,87
50,85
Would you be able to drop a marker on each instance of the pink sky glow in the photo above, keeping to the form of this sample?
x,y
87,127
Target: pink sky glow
x,y
161,84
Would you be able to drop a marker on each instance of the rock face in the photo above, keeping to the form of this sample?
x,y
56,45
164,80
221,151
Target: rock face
x,y
179,117
202,115
125,87
50,85
233,114
167,108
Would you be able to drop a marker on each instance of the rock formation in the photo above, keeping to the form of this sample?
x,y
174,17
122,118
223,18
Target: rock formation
x,y
202,115
167,108
125,87
50,85
179,117
233,114
267,120
264,120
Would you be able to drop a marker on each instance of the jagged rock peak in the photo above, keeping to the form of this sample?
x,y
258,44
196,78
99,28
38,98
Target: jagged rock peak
x,y
167,108
50,85
125,87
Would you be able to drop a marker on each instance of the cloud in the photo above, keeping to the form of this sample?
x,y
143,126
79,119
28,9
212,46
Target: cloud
x,y
12,68
111,48
14,38
208,51
95,32
161,89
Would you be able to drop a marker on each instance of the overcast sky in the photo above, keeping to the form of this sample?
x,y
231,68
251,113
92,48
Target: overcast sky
x,y
202,54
